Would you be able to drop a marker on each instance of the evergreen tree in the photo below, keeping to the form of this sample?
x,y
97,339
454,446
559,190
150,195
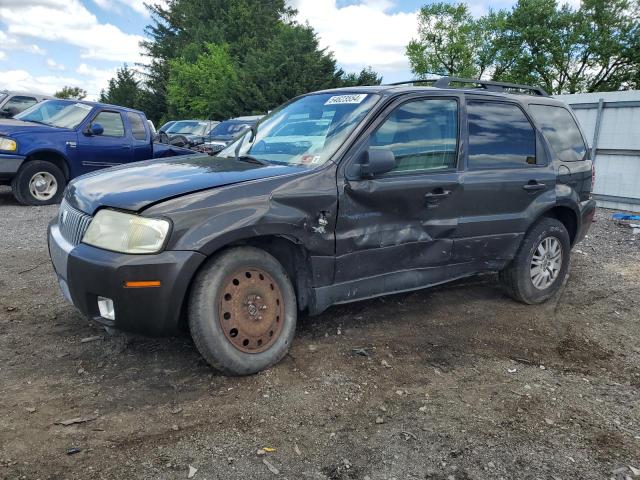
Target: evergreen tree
x,y
123,90
75,93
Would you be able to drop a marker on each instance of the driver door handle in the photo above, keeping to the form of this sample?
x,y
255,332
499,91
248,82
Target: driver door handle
x,y
534,185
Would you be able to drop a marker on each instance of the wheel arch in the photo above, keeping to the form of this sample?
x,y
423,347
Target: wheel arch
x,y
286,249
52,156
566,215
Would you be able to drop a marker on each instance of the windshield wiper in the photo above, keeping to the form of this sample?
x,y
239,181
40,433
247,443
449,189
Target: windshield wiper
x,y
252,159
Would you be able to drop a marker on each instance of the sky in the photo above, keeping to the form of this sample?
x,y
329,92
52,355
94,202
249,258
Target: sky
x,y
46,44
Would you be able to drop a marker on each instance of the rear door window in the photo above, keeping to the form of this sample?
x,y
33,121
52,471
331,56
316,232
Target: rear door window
x,y
500,136
422,134
561,131
137,126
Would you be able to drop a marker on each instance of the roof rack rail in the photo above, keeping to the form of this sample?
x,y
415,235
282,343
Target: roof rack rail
x,y
445,82
412,82
505,87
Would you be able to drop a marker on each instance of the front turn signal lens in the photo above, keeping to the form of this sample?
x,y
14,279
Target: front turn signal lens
x,y
142,284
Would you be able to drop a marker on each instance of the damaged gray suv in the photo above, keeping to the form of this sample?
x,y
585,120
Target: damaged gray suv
x,y
334,197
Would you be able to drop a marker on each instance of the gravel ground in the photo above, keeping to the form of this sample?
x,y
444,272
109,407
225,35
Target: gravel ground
x,y
456,382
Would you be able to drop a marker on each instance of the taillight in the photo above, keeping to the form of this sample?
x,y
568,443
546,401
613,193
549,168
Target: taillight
x,y
593,175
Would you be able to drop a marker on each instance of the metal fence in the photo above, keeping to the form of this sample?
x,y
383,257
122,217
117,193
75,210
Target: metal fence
x,y
611,121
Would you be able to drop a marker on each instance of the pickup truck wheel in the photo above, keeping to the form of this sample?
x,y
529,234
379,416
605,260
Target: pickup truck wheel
x,y
540,267
242,311
38,183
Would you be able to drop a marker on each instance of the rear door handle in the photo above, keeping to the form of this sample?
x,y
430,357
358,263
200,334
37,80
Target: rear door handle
x,y
437,194
533,185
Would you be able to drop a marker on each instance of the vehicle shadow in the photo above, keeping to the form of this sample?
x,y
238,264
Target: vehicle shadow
x,y
6,197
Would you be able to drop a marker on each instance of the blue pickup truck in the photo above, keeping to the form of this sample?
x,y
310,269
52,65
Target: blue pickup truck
x,y
47,145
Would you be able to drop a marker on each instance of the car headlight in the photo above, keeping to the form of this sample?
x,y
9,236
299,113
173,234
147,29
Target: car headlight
x,y
8,145
126,233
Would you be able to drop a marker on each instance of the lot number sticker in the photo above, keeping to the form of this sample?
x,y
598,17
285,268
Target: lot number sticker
x,y
344,99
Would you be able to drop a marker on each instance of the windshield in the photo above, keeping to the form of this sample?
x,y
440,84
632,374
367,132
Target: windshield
x,y
57,113
305,132
229,128
189,127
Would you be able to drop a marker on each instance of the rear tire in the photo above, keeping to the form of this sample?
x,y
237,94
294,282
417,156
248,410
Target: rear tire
x,y
242,311
38,182
541,265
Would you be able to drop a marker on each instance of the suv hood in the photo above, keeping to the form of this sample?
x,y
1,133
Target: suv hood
x,y
12,126
136,186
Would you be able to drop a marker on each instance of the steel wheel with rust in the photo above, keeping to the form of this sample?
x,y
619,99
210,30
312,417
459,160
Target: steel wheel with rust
x,y
242,311
250,310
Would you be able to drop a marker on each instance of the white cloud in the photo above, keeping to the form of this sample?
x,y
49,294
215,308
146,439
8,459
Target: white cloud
x,y
8,42
53,65
98,78
137,6
89,78
363,34
21,80
95,72
68,21
3,56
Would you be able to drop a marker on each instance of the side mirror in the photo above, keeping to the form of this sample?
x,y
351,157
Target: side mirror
x,y
96,129
376,161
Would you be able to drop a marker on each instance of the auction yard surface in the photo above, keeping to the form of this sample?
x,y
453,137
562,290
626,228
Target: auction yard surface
x,y
457,382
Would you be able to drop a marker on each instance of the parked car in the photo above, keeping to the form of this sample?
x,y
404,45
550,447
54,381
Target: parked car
x,y
12,103
166,126
225,132
189,133
47,145
412,187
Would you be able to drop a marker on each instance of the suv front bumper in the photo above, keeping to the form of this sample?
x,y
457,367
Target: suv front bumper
x,y
86,273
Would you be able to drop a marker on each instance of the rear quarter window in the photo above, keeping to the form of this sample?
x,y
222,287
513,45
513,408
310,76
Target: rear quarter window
x,y
561,131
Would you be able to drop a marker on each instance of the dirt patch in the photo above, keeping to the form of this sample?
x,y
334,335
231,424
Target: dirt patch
x,y
453,382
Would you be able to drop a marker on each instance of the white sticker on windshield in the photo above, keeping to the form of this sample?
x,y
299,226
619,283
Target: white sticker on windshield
x,y
344,99
82,106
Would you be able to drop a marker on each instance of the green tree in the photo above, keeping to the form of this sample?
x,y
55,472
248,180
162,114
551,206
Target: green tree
x,y
449,42
367,76
289,65
594,48
205,88
75,93
184,28
539,42
124,89
273,57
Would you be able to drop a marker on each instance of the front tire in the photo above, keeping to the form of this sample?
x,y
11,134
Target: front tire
x,y
242,311
541,265
38,183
